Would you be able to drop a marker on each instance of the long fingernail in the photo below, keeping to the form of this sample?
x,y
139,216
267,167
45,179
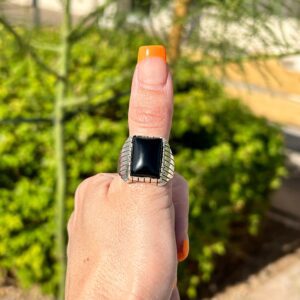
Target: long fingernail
x,y
152,67
184,251
152,51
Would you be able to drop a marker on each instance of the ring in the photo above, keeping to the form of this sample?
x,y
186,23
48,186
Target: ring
x,y
146,159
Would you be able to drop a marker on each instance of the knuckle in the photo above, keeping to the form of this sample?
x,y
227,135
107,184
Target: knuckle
x,y
185,184
87,182
180,182
143,113
81,190
141,193
147,116
68,250
100,183
70,224
82,185
89,188
102,180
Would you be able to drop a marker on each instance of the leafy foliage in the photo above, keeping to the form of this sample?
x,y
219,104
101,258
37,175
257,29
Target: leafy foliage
x,y
231,159
224,31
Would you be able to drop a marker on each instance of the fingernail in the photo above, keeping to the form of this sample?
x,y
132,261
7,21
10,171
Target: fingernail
x,y
184,251
152,67
152,51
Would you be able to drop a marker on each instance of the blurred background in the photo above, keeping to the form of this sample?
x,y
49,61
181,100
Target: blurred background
x,y
65,75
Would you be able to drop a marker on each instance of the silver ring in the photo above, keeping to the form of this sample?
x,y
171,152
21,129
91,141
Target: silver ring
x,y
146,159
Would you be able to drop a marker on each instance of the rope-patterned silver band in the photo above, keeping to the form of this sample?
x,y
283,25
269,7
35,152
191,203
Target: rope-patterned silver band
x,y
146,159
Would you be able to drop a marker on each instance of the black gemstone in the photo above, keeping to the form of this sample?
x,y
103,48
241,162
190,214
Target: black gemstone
x,y
146,157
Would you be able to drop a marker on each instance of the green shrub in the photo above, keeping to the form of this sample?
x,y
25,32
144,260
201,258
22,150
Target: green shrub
x,y
231,159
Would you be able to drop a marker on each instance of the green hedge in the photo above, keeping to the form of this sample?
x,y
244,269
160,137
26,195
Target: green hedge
x,y
231,159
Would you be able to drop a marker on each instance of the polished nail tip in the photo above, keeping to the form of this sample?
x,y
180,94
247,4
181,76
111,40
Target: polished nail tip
x,y
152,51
183,254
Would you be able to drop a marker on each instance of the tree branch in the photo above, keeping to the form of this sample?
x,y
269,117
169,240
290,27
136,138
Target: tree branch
x,y
76,33
180,14
28,49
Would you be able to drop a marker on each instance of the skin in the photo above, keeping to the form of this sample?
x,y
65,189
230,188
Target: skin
x,y
124,238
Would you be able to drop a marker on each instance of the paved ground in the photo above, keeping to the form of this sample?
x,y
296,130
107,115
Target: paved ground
x,y
278,281
286,201
13,293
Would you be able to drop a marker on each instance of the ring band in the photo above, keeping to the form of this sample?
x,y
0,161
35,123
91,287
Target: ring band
x,y
146,159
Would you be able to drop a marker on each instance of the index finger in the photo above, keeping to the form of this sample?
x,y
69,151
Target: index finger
x,y
151,101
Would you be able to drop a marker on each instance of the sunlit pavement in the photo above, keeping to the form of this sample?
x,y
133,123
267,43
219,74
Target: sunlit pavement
x,y
278,281
14,293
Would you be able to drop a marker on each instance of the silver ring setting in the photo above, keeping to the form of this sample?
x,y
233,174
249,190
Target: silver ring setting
x,y
146,159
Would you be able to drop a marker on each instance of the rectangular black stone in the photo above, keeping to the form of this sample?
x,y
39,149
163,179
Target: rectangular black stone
x,y
146,157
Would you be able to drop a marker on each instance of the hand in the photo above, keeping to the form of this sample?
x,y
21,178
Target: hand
x,y
125,240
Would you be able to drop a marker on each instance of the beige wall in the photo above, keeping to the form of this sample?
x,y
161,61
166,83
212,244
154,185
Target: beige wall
x,y
79,7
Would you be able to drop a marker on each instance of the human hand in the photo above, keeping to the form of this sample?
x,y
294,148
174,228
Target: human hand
x,y
125,240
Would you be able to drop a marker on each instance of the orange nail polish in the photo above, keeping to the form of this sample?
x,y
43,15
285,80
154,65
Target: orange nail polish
x,y
184,251
152,51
